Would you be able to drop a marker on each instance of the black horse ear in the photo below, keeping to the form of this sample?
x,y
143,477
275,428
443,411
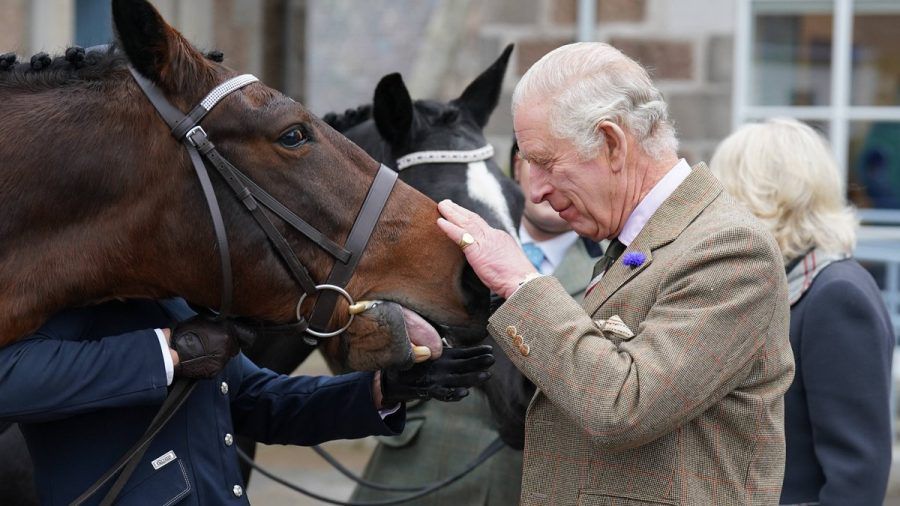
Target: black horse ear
x,y
392,109
153,47
481,96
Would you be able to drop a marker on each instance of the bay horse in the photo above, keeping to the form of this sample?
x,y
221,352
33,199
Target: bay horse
x,y
99,200
395,128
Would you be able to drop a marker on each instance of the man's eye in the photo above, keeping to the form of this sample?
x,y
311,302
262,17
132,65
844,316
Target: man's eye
x,y
292,139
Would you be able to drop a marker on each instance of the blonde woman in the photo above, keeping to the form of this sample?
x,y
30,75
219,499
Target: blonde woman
x,y
837,417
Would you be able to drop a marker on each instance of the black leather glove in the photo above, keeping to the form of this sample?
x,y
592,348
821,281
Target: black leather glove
x,y
204,346
447,378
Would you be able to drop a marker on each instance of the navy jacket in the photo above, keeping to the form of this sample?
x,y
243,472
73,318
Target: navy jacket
x,y
87,384
837,416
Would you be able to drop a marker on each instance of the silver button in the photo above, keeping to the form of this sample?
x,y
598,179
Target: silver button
x,y
229,440
237,491
224,388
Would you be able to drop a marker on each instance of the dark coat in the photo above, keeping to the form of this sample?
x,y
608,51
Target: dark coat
x,y
837,416
87,384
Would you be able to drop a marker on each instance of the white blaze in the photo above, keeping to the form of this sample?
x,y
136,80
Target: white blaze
x,y
484,187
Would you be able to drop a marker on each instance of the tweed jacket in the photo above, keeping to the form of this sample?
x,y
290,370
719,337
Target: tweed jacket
x,y
687,410
441,438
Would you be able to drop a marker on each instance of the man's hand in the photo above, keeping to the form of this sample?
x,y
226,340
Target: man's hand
x,y
447,378
203,346
496,257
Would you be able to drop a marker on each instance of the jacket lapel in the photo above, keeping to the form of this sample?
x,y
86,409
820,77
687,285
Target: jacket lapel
x,y
575,268
673,216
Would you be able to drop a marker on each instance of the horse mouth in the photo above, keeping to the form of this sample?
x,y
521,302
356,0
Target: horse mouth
x,y
423,331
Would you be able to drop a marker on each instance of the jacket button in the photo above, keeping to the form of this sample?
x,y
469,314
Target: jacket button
x,y
229,439
518,340
224,388
237,491
511,331
524,349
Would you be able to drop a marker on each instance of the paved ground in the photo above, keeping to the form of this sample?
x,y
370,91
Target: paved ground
x,y
305,468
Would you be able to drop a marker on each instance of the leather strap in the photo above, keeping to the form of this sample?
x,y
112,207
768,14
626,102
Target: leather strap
x,y
181,389
357,241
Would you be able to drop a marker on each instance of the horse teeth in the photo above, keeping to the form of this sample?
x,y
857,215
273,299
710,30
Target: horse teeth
x,y
422,353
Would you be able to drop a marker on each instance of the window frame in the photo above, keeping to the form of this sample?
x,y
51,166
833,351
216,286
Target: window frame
x,y
840,112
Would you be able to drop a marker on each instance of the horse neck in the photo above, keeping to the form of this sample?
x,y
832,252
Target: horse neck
x,y
86,189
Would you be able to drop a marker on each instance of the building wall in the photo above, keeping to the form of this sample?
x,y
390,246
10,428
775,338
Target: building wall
x,y
686,44
331,53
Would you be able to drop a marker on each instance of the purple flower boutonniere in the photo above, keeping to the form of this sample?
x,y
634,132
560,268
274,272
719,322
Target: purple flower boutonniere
x,y
634,259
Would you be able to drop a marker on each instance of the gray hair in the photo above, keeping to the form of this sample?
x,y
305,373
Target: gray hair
x,y
590,82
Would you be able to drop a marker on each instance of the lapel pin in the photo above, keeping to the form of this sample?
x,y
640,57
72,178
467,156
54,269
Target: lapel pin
x,y
634,259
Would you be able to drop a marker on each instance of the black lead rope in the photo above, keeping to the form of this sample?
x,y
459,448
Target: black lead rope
x,y
421,491
181,389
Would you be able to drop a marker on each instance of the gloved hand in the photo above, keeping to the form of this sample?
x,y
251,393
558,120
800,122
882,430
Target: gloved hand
x,y
447,378
204,346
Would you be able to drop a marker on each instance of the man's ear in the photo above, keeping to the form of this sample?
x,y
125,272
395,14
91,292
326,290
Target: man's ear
x,y
615,144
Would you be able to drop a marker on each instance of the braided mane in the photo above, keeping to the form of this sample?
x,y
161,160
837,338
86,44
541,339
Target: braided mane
x,y
349,119
75,66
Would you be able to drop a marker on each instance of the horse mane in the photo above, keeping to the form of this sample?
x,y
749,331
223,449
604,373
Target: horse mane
x,y
75,66
349,119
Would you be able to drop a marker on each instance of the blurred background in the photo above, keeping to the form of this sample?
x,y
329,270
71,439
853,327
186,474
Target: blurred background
x,y
834,64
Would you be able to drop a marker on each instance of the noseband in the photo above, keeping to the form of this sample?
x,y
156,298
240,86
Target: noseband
x,y
187,129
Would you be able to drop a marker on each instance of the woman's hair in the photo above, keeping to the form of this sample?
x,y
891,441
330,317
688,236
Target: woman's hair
x,y
784,172
589,82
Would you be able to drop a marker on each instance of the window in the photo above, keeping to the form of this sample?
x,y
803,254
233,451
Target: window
x,y
93,22
833,64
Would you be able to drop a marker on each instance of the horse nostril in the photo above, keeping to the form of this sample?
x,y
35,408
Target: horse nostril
x,y
477,296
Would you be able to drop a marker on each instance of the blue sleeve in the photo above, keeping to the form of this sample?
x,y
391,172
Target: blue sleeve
x,y
845,356
43,378
307,410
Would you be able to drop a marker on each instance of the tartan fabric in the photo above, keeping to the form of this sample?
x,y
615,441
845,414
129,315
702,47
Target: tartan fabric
x,y
442,438
688,411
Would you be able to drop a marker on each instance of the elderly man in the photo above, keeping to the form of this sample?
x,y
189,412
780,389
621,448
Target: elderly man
x,y
665,386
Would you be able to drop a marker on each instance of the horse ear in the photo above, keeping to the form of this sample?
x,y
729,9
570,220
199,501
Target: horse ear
x,y
153,47
481,96
392,109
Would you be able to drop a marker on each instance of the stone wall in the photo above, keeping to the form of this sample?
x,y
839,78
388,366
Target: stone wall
x,y
687,45
331,53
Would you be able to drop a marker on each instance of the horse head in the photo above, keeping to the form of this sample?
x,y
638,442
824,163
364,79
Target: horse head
x,y
108,206
395,126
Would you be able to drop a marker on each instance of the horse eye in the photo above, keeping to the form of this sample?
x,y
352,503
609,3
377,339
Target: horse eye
x,y
292,139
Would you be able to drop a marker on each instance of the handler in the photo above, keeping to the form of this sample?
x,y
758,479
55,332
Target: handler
x,y
666,385
87,384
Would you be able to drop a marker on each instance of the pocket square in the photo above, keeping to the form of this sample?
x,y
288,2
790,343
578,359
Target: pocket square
x,y
615,326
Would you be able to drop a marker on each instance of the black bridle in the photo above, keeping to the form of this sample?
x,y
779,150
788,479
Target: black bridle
x,y
187,130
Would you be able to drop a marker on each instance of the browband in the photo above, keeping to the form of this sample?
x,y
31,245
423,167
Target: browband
x,y
422,157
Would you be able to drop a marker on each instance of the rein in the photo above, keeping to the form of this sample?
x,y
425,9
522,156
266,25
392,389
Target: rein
x,y
416,492
187,130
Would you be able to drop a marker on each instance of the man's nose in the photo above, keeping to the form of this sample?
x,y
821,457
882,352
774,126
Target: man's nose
x,y
539,186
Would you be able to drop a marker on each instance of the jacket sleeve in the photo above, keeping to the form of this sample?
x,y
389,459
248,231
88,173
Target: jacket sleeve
x,y
713,313
845,353
45,378
307,410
